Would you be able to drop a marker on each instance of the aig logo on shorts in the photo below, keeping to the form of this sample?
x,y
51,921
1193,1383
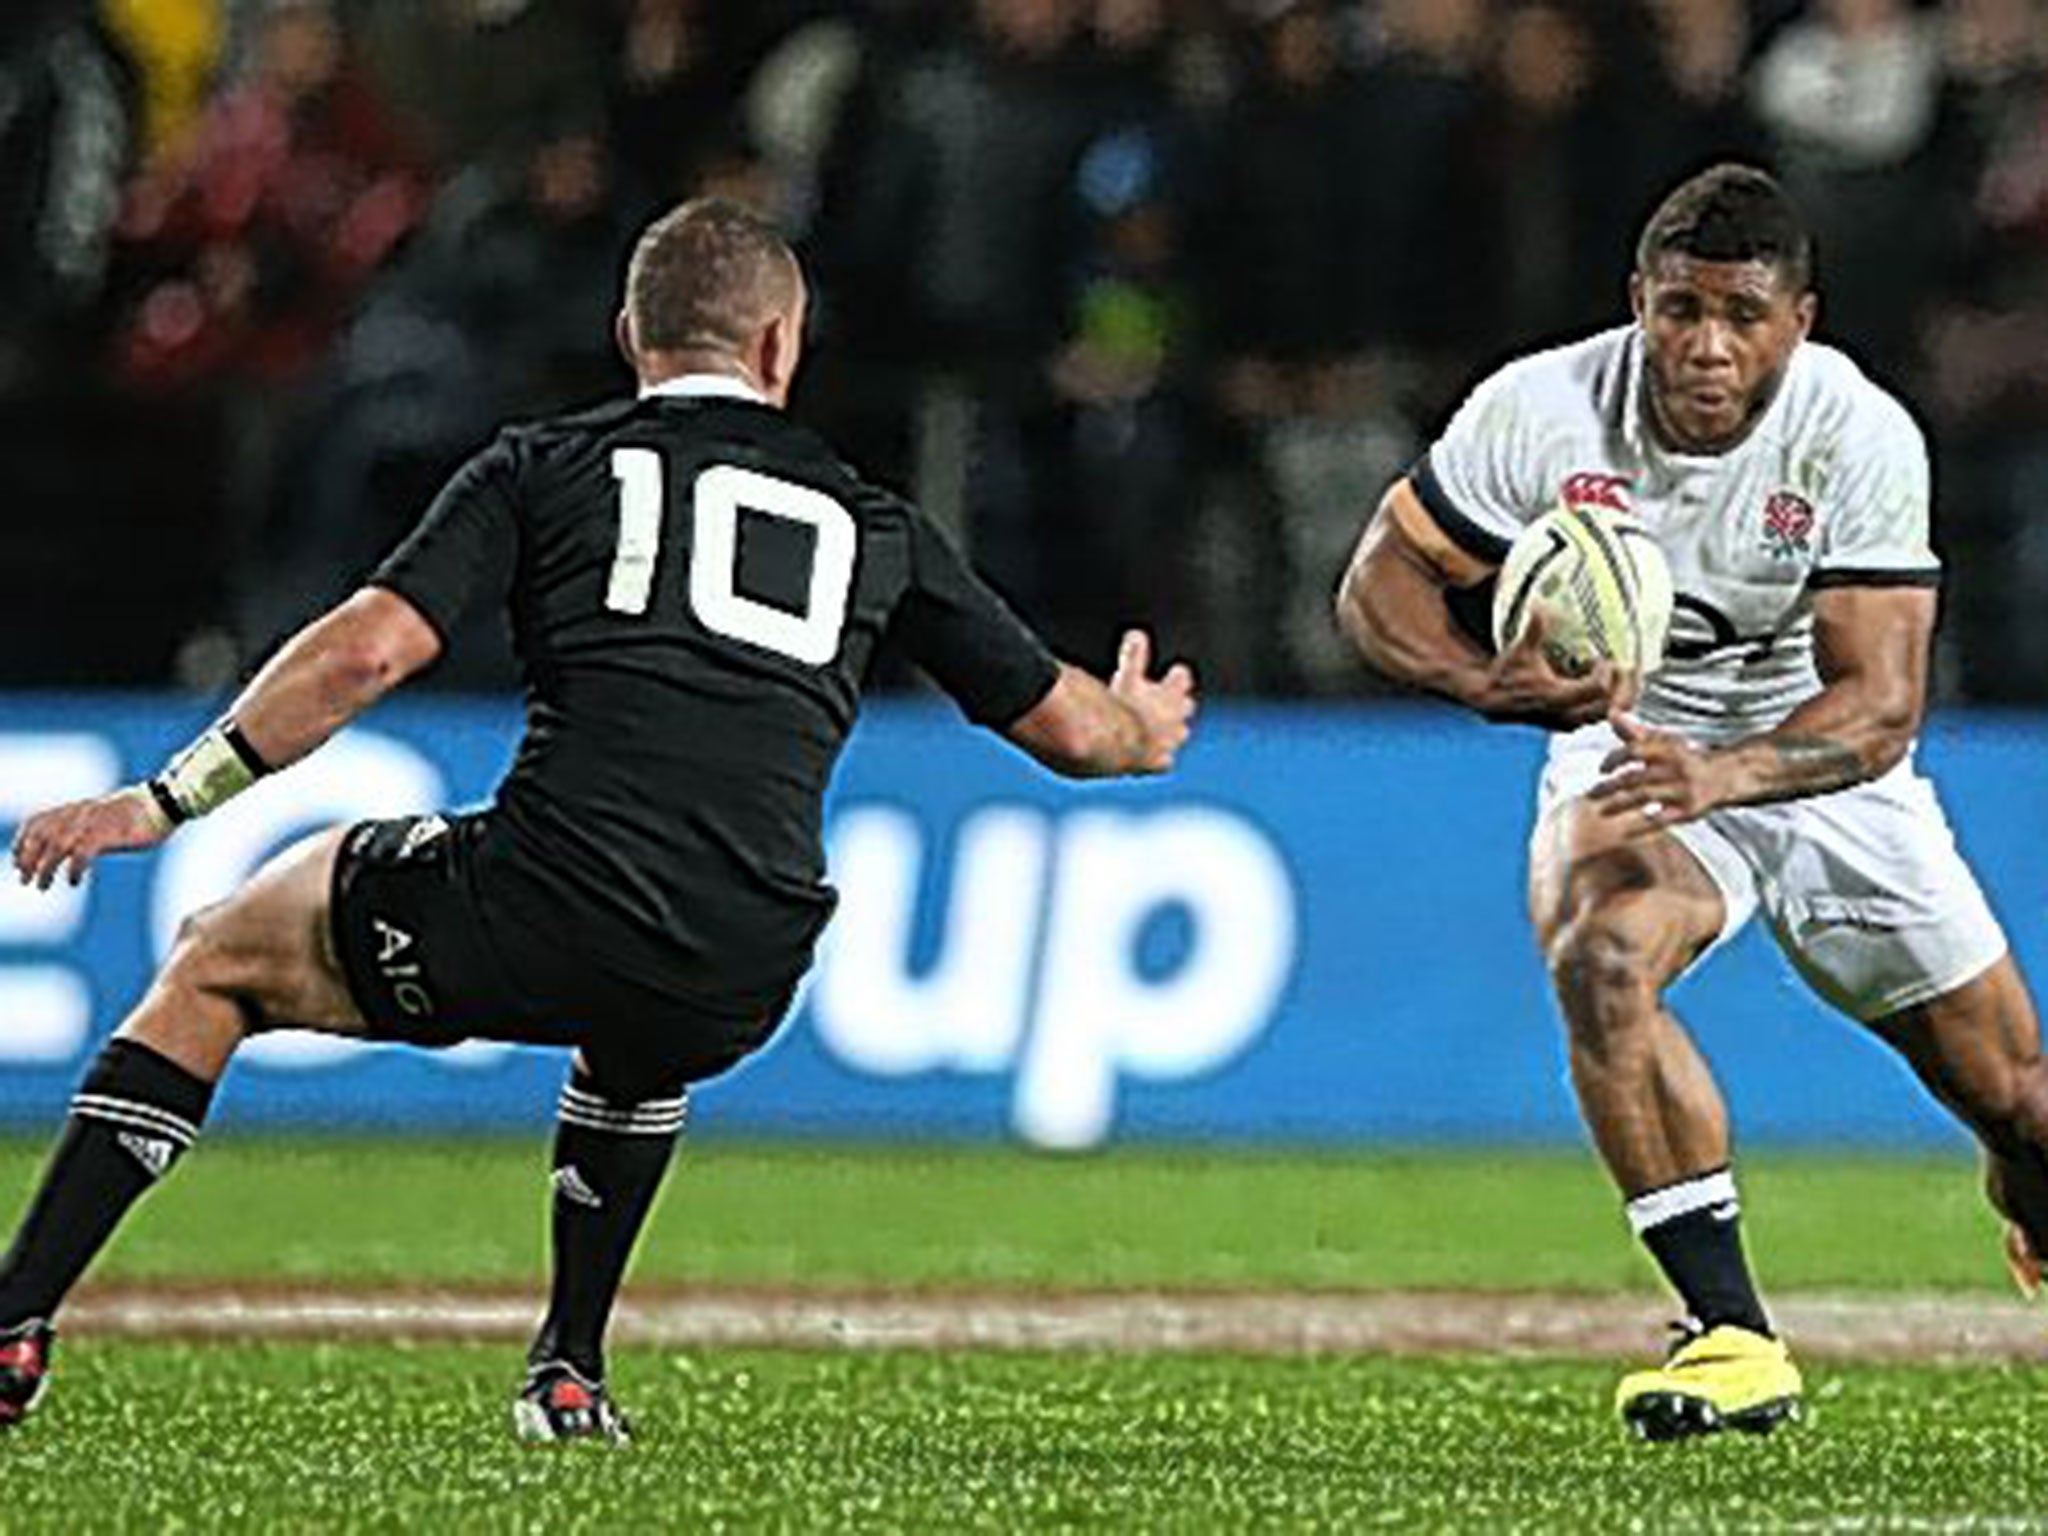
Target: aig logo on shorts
x,y
1071,951
398,962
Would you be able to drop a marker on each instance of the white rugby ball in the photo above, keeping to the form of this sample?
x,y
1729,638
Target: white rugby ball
x,y
1601,584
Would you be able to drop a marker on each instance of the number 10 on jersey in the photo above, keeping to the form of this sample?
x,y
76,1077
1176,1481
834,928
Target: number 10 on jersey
x,y
717,497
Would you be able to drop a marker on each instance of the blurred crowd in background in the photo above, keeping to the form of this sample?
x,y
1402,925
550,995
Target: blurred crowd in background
x,y
1146,298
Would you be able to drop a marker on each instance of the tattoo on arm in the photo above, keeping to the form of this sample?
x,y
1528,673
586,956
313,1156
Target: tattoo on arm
x,y
1806,765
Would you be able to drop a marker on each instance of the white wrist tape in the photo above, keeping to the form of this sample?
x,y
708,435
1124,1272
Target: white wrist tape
x,y
207,774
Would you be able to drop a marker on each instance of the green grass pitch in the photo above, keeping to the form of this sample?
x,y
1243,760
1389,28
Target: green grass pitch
x,y
164,1435
154,1437
472,1210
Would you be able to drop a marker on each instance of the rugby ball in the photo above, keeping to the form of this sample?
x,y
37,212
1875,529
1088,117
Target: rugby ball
x,y
1600,583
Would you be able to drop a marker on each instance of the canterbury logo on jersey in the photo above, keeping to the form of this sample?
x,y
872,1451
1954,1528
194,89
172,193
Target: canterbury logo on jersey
x,y
1588,488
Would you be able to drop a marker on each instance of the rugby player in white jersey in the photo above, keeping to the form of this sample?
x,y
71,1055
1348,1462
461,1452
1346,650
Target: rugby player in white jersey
x,y
1768,765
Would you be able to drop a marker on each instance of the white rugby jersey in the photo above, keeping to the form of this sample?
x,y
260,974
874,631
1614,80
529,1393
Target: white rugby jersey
x,y
1830,488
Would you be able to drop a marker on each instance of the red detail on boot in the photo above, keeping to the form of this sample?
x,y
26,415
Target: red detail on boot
x,y
570,1395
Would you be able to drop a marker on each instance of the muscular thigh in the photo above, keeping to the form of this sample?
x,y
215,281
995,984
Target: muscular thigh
x,y
272,944
1581,870
1971,1039
1868,896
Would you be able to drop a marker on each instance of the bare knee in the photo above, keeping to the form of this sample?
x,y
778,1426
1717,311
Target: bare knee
x,y
206,958
205,1001
1603,965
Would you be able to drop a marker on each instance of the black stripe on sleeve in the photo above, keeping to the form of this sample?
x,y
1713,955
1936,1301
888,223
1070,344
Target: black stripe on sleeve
x,y
251,758
1850,576
1478,542
168,802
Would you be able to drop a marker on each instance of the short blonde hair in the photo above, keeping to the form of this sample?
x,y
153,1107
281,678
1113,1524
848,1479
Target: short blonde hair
x,y
706,276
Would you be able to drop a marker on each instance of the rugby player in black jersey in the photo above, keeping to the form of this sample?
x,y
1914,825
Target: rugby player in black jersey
x,y
697,588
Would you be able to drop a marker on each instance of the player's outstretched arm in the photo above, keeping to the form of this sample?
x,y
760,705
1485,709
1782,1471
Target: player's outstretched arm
x,y
1134,724
1871,645
331,671
1391,606
323,677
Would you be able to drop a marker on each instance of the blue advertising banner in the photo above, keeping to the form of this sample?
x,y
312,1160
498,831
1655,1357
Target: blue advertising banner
x,y
1314,932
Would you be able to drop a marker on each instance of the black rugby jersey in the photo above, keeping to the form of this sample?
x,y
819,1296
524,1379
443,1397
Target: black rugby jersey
x,y
697,587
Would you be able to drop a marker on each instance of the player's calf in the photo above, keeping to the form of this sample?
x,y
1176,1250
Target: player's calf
x,y
1646,1098
615,1132
1619,926
134,1115
1977,1049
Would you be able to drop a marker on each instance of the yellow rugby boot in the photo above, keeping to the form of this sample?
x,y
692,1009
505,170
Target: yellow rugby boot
x,y
1724,1378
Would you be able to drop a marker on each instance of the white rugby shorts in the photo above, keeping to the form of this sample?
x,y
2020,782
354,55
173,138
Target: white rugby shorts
x,y
1864,888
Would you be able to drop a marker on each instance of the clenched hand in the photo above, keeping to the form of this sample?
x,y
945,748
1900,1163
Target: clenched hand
x,y
1165,707
1523,687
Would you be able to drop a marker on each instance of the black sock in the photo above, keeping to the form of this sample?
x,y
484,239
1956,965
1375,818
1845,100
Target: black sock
x,y
610,1154
1694,1231
131,1118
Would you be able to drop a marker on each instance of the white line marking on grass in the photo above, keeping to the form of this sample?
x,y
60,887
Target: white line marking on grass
x,y
1862,1327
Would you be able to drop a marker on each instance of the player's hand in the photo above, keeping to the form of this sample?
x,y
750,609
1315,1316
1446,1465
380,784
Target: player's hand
x,y
1164,706
1524,688
1656,779
70,837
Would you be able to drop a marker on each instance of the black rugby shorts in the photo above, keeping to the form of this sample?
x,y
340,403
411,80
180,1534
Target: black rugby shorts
x,y
431,961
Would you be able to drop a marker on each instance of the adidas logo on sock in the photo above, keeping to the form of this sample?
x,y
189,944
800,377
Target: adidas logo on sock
x,y
153,1152
568,1183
